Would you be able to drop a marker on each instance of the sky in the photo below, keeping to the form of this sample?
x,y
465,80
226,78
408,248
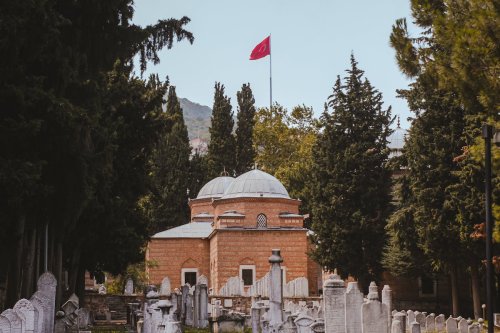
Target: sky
x,y
311,43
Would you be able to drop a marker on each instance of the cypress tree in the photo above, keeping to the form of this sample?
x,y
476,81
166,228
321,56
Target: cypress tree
x,y
170,170
197,173
221,149
245,153
351,185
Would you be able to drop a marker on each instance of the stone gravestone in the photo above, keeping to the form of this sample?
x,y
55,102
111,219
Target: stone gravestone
x,y
474,328
189,310
318,327
353,303
430,322
102,290
374,313
420,318
387,300
46,285
439,323
25,310
275,290
415,327
303,324
202,279
165,289
401,317
129,287
5,324
184,296
410,317
396,326
14,321
39,313
334,301
463,326
203,315
451,325
496,319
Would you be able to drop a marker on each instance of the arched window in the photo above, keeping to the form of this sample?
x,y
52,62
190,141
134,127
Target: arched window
x,y
261,221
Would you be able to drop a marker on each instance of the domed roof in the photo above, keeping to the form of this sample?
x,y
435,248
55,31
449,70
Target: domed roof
x,y
215,188
256,183
397,139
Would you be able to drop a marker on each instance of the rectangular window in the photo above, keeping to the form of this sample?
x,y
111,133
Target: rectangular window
x,y
189,275
427,286
247,274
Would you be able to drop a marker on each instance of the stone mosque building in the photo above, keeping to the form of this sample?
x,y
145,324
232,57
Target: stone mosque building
x,y
235,222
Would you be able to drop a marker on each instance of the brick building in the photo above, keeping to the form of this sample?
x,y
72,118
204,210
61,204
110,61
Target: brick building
x,y
234,225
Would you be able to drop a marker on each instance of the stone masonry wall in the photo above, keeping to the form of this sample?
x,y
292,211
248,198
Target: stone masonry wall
x,y
172,255
232,248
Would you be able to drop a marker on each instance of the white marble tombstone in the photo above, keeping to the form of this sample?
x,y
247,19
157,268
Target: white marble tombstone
x,y
474,328
401,317
396,326
334,300
353,303
14,321
39,313
420,318
275,290
189,310
451,325
374,313
4,324
202,279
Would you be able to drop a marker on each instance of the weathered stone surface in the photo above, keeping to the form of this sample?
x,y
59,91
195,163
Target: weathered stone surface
x,y
4,324
353,303
410,318
420,318
276,289
439,323
303,324
463,326
46,286
189,310
387,300
39,313
430,324
14,320
25,310
451,325
165,289
318,327
474,328
334,301
415,327
129,287
374,313
396,327
202,279
203,312
401,317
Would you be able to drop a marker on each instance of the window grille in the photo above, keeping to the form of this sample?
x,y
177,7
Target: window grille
x,y
261,221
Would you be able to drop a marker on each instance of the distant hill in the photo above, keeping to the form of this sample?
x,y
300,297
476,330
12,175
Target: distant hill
x,y
197,119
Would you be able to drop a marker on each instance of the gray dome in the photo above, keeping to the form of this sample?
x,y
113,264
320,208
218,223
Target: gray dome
x,y
215,188
256,183
397,139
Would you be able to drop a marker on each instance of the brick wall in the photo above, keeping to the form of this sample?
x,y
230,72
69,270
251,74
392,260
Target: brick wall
x,y
201,206
232,248
172,255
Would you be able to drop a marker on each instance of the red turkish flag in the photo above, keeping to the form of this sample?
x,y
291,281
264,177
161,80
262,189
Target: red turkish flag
x,y
262,49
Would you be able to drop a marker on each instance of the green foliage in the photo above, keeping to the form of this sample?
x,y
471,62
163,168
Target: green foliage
x,y
284,144
221,149
136,272
198,173
351,184
169,171
245,153
76,130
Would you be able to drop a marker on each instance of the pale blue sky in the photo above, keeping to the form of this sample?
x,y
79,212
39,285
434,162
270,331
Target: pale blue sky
x,y
311,43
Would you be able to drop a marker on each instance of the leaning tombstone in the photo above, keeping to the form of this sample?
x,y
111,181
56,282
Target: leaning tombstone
x,y
334,300
374,313
165,289
353,302
451,325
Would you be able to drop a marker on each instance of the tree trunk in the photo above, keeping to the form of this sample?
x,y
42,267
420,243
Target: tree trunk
x,y
29,263
80,285
476,292
14,272
74,269
59,273
454,292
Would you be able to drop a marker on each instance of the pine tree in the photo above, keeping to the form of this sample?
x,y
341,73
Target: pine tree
x,y
221,149
170,170
245,153
197,173
351,185
425,223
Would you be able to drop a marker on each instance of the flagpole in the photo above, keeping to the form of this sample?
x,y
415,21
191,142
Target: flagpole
x,y
270,77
